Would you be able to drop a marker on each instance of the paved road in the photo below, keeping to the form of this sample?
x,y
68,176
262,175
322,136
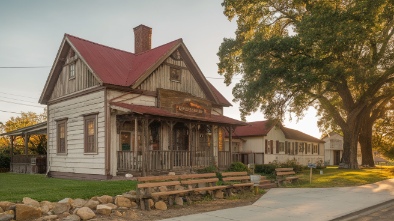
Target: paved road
x,y
381,212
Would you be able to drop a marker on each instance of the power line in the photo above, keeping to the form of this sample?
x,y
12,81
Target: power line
x,y
20,100
9,112
221,78
20,103
14,67
19,95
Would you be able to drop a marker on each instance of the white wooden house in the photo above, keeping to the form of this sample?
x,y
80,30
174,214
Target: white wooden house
x,y
263,142
333,148
112,112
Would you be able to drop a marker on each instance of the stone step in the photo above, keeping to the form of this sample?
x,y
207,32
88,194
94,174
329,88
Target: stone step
x,y
268,186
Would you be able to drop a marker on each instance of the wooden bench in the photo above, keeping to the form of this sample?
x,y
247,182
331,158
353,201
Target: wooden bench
x,y
155,187
236,181
285,175
200,183
158,186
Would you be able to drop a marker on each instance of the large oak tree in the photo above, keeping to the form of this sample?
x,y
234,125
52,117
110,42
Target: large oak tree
x,y
336,55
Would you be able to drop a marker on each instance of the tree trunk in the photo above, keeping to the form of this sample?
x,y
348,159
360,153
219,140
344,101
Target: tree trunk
x,y
350,140
365,139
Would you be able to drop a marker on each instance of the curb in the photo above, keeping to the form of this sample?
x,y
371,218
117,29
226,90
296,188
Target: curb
x,y
365,211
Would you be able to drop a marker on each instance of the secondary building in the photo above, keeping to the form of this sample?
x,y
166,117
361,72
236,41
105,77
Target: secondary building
x,y
263,142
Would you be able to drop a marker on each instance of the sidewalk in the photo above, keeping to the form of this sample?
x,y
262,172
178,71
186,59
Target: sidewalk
x,y
303,204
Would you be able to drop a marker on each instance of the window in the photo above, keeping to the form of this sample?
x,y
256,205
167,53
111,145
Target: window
x,y
282,147
71,74
315,149
90,132
309,148
175,74
300,148
125,140
61,136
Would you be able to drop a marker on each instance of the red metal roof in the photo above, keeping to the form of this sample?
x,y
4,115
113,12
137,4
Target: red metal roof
x,y
163,113
257,128
222,100
261,128
298,135
117,67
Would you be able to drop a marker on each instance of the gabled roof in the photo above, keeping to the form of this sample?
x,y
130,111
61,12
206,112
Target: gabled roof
x,y
121,68
117,67
257,128
40,128
262,128
155,111
298,135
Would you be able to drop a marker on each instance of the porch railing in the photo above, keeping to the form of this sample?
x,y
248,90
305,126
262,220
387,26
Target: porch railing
x,y
29,163
163,160
224,159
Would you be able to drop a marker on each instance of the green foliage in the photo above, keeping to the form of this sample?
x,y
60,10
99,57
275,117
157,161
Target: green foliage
x,y
290,163
265,168
36,186
209,169
5,158
238,167
37,144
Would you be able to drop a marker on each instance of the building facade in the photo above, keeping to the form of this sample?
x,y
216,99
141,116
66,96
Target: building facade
x,y
112,112
263,142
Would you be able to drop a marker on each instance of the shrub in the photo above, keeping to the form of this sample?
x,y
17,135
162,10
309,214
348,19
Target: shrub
x,y
209,169
265,168
238,167
291,164
320,164
5,159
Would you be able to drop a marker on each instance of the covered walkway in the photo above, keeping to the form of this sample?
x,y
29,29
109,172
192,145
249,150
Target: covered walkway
x,y
27,163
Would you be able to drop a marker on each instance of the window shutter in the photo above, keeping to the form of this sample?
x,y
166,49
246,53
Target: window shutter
x,y
272,146
313,148
266,143
286,152
318,149
296,148
277,146
306,148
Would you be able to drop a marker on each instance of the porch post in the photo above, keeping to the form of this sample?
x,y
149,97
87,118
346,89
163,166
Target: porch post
x,y
144,146
171,146
135,149
230,143
190,146
27,137
12,153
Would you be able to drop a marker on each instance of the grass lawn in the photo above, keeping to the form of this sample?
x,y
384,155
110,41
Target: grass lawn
x,y
334,177
13,187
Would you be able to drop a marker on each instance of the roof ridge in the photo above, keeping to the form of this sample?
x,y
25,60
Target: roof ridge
x,y
105,46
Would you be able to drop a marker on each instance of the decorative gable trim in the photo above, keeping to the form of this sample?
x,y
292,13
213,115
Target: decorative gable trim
x,y
59,63
191,66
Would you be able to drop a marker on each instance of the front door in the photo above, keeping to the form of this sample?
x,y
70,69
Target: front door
x,y
181,137
337,157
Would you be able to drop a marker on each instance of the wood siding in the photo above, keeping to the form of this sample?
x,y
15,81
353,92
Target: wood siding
x,y
130,98
160,78
83,79
75,161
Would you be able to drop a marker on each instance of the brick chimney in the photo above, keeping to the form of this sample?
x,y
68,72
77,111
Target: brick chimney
x,y
142,38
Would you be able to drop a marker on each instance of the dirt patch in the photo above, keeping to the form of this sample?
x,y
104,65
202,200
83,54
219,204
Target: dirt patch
x,y
175,211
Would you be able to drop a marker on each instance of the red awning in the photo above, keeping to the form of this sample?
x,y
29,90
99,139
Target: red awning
x,y
146,110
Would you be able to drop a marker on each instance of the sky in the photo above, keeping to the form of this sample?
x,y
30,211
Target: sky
x,y
31,33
